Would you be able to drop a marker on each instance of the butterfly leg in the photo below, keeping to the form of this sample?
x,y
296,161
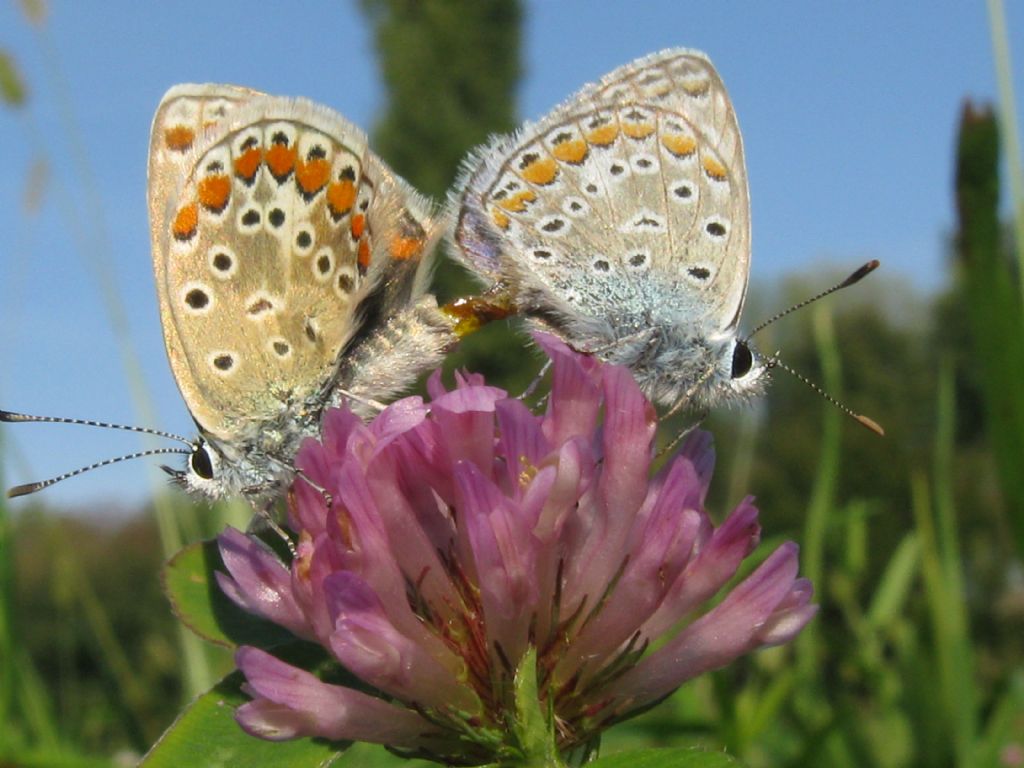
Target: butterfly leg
x,y
374,405
683,434
536,381
264,518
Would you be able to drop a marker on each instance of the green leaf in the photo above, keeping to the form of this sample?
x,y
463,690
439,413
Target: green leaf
x,y
666,758
206,734
890,598
531,727
199,603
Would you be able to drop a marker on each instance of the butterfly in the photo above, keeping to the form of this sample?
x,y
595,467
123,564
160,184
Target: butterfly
x,y
621,222
292,268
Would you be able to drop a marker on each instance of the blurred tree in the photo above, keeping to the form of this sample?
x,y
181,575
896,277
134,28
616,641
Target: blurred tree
x,y
451,68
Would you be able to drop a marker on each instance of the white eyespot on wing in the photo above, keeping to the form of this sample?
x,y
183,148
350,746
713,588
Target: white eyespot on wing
x,y
223,262
576,207
699,275
304,239
600,265
716,229
261,305
554,226
196,298
683,192
638,260
345,282
277,215
545,255
644,164
249,219
644,222
616,169
223,362
280,347
322,265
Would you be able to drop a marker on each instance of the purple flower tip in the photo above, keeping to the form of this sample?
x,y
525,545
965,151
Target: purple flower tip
x,y
468,534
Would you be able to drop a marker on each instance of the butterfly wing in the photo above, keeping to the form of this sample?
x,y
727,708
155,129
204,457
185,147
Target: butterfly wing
x,y
624,208
271,228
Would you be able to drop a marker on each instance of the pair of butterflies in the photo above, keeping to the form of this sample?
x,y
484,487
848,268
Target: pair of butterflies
x,y
292,265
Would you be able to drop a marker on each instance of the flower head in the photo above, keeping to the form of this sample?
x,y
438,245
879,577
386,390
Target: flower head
x,y
444,548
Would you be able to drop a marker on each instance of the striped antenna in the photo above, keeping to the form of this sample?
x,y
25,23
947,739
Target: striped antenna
x,y
13,418
856,277
27,488
870,423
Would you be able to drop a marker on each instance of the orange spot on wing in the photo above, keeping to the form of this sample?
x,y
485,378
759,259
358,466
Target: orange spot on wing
x,y
679,145
542,171
403,248
341,195
517,203
637,130
186,222
178,138
603,135
214,192
281,160
364,256
500,218
311,176
358,225
713,168
573,151
247,163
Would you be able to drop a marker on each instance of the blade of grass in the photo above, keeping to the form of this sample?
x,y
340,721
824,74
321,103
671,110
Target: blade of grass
x,y
1008,128
812,555
952,647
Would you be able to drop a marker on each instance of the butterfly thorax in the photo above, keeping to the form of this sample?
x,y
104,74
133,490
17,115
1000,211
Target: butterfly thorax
x,y
257,462
679,366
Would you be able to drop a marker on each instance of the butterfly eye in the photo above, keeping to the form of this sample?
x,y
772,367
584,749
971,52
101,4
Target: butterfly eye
x,y
742,360
201,463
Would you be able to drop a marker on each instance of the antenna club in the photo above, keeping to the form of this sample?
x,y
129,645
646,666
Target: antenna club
x,y
22,490
861,273
871,424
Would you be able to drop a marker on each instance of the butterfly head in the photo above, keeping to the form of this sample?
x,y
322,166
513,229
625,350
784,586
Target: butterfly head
x,y
747,369
733,373
214,470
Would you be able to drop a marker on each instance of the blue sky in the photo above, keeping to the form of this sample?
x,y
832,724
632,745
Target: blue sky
x,y
848,113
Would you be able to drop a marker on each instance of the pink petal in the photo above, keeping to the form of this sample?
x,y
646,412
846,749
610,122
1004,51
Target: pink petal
x,y
366,642
290,703
729,630
575,398
522,442
465,417
503,551
259,582
710,569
